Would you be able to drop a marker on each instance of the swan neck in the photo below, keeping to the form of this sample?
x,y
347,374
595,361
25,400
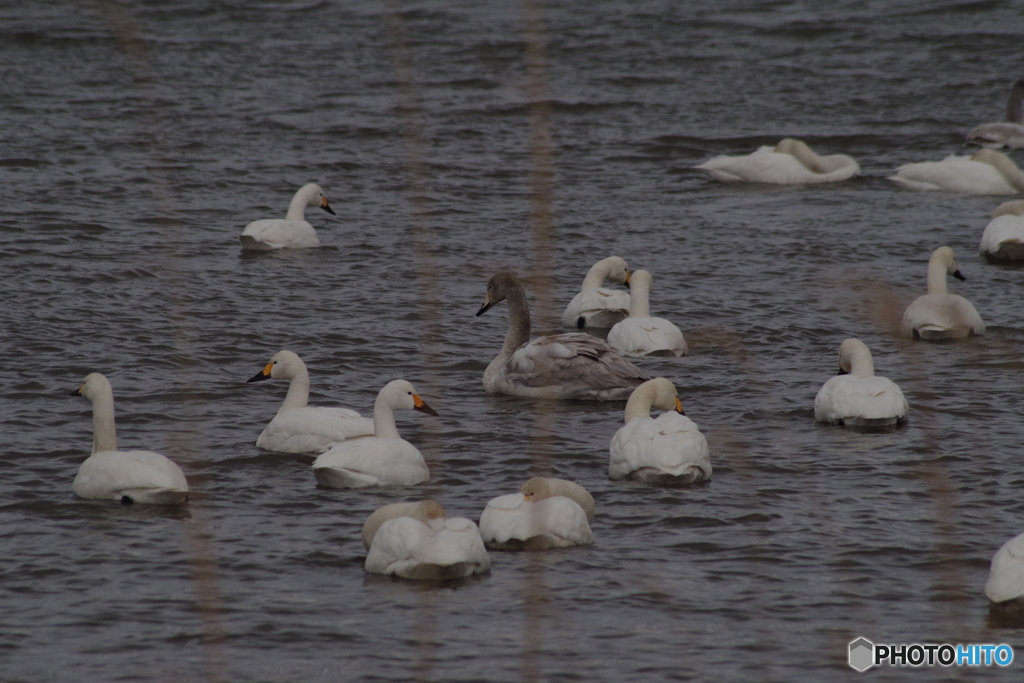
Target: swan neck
x,y
639,299
384,420
639,403
518,321
862,365
104,434
298,392
297,209
596,275
937,277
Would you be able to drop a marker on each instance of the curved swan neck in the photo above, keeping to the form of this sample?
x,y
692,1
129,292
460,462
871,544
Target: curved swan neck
x,y
598,273
937,270
1013,102
639,403
384,419
297,209
298,391
1004,164
104,433
803,154
639,294
518,320
858,357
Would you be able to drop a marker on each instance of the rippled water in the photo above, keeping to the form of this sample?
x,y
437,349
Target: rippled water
x,y
138,141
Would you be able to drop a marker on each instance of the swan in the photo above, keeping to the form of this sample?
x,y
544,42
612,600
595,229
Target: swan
x,y
985,172
597,306
938,314
545,513
790,162
384,459
859,398
125,476
1003,238
290,232
667,450
572,365
1009,133
416,541
1006,577
298,428
640,334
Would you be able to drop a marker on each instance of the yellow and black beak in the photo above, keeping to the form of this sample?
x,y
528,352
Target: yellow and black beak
x,y
679,406
486,307
78,391
628,275
327,207
262,374
419,405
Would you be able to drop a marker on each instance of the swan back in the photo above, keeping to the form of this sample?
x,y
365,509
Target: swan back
x,y
1006,576
1003,237
859,398
542,488
422,510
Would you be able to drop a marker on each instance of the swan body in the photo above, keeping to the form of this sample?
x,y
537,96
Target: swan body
x,y
1006,577
1003,238
545,513
938,314
416,541
1009,133
859,398
790,162
297,427
125,476
597,306
385,459
290,232
667,450
985,172
640,334
564,366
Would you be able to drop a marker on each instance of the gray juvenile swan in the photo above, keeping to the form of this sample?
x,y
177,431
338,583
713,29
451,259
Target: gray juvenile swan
x,y
1008,133
545,513
855,396
790,162
939,314
290,232
597,306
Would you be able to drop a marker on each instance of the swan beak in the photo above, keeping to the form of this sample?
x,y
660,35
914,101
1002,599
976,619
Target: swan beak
x,y
842,372
679,406
78,391
486,307
327,207
419,405
628,275
262,374
958,275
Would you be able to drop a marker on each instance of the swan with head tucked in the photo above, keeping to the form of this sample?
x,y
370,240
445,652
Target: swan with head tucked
x,y
640,334
290,232
567,366
1003,238
297,427
855,396
597,306
1009,133
939,314
545,513
668,450
790,162
1005,583
416,541
124,476
384,459
985,172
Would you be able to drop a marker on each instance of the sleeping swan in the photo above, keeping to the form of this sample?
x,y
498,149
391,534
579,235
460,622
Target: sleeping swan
x,y
986,172
546,513
597,306
640,334
298,428
859,399
1003,238
125,476
790,162
572,365
415,541
1009,133
384,459
290,232
938,314
668,450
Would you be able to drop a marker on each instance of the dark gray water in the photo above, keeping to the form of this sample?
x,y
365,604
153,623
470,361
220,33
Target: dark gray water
x,y
137,142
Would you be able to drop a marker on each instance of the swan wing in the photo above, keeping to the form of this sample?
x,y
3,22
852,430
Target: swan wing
x,y
598,306
279,233
143,476
768,166
558,521
371,461
997,135
669,444
444,549
941,315
310,430
644,336
845,399
1004,238
953,174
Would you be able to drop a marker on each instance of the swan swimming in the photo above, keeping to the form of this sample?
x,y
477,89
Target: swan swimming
x,y
567,366
1006,576
984,172
640,334
938,314
416,541
668,450
290,232
297,427
1008,133
124,476
597,306
790,162
545,513
860,398
384,459
1003,238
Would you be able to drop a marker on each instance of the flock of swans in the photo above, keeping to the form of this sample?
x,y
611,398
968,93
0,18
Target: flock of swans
x,y
416,540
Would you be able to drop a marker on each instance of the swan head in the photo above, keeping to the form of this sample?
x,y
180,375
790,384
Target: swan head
x,y
315,197
663,393
541,488
94,386
498,288
423,510
945,257
284,365
402,395
616,270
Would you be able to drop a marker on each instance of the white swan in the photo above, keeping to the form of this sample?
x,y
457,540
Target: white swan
x,y
290,232
640,334
1009,133
1003,238
298,428
859,398
667,450
597,306
385,459
985,172
572,365
1006,577
938,314
125,476
546,513
790,162
415,541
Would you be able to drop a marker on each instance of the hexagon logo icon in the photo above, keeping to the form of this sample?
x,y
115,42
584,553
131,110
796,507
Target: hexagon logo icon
x,y
862,654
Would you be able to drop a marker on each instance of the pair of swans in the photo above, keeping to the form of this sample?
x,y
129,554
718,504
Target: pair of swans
x,y
939,314
790,162
856,397
1003,238
290,232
